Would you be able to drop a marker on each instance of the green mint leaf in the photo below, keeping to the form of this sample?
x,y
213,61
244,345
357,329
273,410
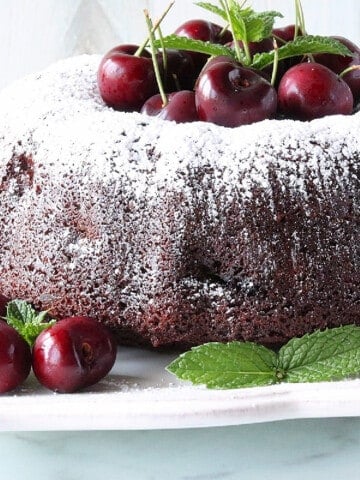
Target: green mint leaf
x,y
29,324
213,9
227,365
184,43
237,18
259,25
304,45
249,26
332,354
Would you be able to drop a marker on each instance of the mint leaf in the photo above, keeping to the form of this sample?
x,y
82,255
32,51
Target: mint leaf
x,y
213,9
332,354
257,25
227,365
184,43
29,324
304,45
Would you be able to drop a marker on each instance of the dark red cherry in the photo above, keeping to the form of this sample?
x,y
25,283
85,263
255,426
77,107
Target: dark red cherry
x,y
338,63
218,59
74,353
126,81
223,58
180,70
205,31
129,49
15,358
180,107
311,90
286,33
230,95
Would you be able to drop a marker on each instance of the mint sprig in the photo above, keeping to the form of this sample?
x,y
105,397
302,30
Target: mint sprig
x,y
29,323
332,354
189,44
306,45
249,26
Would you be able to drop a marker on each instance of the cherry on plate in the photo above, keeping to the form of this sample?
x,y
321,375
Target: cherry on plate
x,y
15,358
73,354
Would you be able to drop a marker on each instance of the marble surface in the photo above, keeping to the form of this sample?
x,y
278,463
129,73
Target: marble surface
x,y
293,450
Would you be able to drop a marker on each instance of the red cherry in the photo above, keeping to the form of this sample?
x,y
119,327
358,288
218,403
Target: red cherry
x,y
205,31
180,70
126,81
74,353
15,358
310,90
338,63
286,33
129,49
230,95
180,107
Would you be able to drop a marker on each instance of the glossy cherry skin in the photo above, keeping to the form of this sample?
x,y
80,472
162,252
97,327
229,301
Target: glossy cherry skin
x,y
180,71
230,95
338,63
205,31
126,81
180,108
129,49
311,90
286,33
223,58
75,353
15,358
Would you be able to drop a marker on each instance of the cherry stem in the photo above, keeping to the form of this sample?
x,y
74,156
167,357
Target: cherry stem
x,y
153,30
276,62
225,5
223,30
300,19
279,40
349,69
163,49
154,59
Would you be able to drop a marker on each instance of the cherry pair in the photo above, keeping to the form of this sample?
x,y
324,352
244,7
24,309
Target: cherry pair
x,y
74,353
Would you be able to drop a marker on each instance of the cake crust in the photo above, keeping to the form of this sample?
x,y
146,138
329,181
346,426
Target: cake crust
x,y
176,235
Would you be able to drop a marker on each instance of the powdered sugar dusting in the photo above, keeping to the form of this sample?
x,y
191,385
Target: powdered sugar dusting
x,y
131,211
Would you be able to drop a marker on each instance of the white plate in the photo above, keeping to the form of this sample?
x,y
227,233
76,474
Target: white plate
x,y
139,394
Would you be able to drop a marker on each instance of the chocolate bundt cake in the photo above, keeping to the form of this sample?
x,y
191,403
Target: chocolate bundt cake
x,y
176,234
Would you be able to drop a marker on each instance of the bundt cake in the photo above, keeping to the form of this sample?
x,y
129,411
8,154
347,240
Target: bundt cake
x,y
176,234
